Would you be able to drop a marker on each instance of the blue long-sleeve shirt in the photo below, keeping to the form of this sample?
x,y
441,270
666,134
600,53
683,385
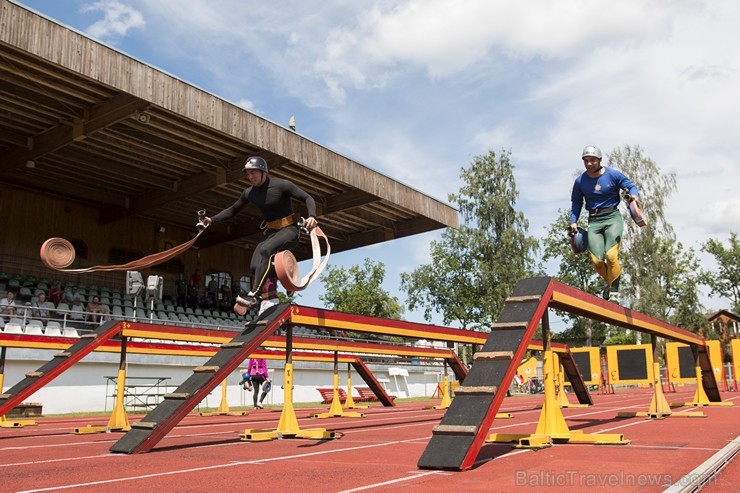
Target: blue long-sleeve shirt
x,y
600,192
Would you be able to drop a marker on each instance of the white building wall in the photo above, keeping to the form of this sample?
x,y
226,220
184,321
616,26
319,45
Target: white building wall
x,y
82,388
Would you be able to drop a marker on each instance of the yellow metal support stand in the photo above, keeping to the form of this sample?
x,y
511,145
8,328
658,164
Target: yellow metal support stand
x,y
118,419
16,423
223,408
336,411
349,403
288,424
700,396
659,408
552,427
445,392
562,397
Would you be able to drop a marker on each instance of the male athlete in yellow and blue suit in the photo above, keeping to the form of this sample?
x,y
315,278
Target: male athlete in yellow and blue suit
x,y
599,186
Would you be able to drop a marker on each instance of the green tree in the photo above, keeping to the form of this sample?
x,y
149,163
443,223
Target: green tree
x,y
475,268
358,290
655,188
725,282
644,271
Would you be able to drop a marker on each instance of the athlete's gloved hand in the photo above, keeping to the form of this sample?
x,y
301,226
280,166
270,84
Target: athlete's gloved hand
x,y
203,223
311,223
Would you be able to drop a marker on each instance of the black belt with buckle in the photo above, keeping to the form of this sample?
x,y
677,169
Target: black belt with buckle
x,y
596,212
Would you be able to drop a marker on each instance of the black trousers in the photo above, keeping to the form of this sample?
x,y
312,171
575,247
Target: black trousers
x,y
276,241
257,381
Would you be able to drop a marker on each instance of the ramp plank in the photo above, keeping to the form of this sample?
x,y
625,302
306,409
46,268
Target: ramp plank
x,y
707,375
169,412
511,333
57,365
570,368
373,383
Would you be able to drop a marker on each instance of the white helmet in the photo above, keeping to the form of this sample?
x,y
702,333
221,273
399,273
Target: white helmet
x,y
592,151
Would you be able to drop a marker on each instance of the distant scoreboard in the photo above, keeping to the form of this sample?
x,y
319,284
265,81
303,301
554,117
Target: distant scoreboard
x,y
681,363
589,364
631,364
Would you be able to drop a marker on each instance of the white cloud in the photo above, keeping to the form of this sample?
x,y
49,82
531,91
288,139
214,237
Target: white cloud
x,y
246,104
416,88
118,20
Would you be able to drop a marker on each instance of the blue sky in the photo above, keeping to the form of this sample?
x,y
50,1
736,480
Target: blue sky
x,y
415,89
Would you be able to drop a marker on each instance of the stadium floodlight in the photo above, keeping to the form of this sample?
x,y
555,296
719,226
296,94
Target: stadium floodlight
x,y
154,286
134,283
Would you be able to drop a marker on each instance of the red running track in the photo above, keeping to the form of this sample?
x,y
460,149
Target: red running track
x,y
377,453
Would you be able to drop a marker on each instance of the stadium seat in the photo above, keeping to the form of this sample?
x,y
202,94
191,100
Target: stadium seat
x,y
70,332
53,329
78,313
12,328
33,324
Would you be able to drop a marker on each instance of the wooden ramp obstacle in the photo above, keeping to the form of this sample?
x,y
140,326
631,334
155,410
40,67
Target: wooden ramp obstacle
x,y
59,364
456,441
372,382
145,434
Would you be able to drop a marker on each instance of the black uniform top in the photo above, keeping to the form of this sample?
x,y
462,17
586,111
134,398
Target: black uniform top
x,y
272,199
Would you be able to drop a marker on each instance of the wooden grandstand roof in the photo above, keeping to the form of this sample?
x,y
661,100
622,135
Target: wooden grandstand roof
x,y
85,122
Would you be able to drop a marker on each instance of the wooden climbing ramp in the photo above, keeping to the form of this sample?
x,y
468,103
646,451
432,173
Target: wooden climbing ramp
x,y
456,441
145,434
59,364
372,382
570,368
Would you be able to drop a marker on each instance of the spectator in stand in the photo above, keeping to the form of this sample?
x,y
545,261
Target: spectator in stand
x,y
42,307
192,295
212,288
71,296
56,294
77,310
8,306
97,313
226,297
196,279
207,302
182,291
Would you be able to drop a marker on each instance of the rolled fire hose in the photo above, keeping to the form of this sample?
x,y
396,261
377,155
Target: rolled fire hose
x,y
286,266
58,253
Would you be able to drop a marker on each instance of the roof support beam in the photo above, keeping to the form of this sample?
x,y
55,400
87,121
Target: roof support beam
x,y
348,200
112,111
155,198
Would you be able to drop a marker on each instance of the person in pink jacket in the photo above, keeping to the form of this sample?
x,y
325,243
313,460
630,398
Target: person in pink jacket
x,y
257,369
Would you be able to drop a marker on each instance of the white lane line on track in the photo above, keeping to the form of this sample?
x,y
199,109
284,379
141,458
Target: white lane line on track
x,y
67,444
49,461
364,421
216,466
261,461
392,481
190,435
